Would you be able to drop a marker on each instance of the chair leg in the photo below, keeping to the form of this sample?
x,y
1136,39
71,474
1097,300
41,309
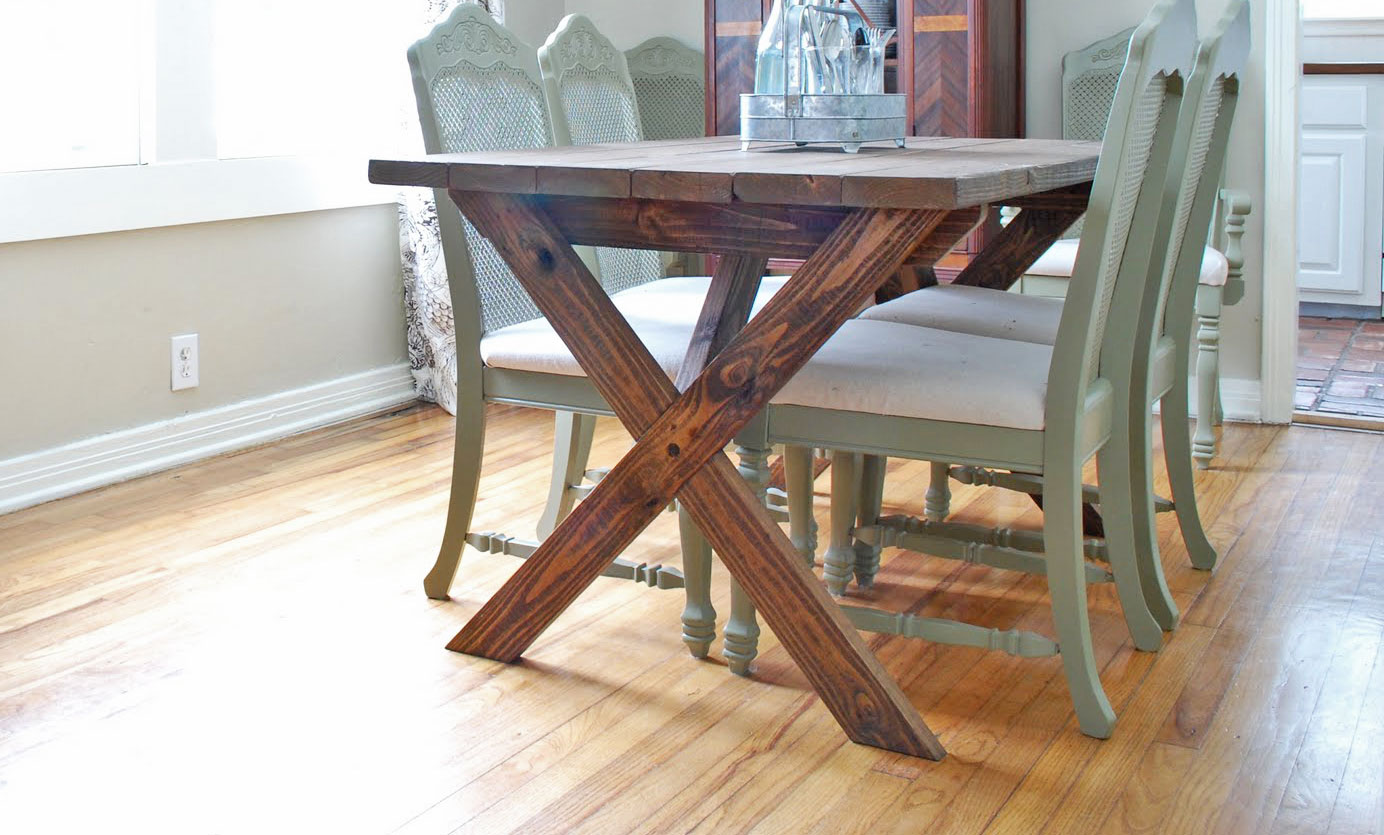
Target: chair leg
x,y
839,563
1067,587
937,500
572,434
871,499
1135,549
698,615
466,476
742,627
1208,373
742,631
1177,454
797,474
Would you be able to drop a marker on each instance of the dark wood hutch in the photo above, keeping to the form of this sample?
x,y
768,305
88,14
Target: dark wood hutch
x,y
959,62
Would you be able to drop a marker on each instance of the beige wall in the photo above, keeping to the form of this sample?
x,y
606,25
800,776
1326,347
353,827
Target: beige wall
x,y
628,24
533,20
1055,27
279,303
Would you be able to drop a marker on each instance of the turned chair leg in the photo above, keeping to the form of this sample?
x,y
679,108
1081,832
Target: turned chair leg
x,y
698,615
871,500
798,478
839,564
937,500
572,434
741,643
1208,373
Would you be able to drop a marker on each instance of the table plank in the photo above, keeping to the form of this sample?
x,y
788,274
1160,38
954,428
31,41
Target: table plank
x,y
931,172
680,451
738,228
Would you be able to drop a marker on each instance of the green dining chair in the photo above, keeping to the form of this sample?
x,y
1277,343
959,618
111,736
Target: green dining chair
x,y
1160,362
591,99
477,87
670,87
887,389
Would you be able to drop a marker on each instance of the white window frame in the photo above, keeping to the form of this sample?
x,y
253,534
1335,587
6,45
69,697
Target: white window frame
x,y
179,180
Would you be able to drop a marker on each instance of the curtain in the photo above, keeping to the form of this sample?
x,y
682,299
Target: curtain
x,y
427,300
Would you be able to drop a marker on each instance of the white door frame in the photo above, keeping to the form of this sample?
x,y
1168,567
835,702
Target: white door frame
x,y
1278,348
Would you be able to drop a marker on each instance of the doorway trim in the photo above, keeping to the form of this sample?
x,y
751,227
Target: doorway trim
x,y
1278,349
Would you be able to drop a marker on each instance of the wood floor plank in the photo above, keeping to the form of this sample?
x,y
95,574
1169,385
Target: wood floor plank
x,y
1148,796
248,634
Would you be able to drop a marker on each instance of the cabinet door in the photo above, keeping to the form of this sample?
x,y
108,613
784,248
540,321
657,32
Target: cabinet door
x,y
941,67
1341,191
733,28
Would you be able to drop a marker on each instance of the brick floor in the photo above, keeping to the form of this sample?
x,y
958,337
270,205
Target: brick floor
x,y
1340,367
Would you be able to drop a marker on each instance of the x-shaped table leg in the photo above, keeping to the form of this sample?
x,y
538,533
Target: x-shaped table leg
x,y
679,452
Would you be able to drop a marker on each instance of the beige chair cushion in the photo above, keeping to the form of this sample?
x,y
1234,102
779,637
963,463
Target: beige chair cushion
x,y
1060,260
662,312
975,310
885,368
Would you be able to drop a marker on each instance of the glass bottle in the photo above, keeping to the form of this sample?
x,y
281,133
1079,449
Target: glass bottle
x,y
769,58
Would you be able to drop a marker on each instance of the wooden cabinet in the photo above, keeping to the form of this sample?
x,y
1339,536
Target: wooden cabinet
x,y
960,62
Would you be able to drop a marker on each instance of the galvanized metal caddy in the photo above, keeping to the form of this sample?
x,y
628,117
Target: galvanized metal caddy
x,y
795,116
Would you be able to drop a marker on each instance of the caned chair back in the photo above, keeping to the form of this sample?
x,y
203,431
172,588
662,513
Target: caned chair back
x,y
477,87
1089,78
670,87
1117,242
1192,188
591,100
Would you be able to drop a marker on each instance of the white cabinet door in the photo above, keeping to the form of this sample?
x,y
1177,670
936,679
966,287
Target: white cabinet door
x,y
1341,194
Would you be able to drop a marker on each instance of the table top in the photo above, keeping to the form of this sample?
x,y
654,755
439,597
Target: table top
x,y
929,173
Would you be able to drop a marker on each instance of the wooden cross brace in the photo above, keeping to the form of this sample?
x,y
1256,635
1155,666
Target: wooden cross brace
x,y
680,438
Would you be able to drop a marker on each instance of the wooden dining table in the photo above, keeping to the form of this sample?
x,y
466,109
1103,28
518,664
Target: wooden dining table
x,y
857,219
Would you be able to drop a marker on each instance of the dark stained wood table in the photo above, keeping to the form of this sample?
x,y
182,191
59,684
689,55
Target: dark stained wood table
x,y
856,219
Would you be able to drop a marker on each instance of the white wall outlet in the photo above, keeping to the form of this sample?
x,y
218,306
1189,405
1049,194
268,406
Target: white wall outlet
x,y
185,375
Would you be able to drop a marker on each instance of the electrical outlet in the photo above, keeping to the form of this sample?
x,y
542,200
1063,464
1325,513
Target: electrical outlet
x,y
185,375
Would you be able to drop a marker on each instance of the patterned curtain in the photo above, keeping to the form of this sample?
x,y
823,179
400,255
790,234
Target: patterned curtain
x,y
427,301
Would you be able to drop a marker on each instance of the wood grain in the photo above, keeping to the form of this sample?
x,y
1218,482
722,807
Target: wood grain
x,y
738,228
1016,248
725,311
679,449
276,590
929,173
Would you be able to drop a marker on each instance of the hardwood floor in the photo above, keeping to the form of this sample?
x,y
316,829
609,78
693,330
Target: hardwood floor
x,y
243,645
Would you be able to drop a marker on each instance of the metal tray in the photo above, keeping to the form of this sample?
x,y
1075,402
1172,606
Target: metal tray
x,y
846,120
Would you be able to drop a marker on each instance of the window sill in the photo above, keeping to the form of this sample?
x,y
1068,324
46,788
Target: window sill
x,y
87,201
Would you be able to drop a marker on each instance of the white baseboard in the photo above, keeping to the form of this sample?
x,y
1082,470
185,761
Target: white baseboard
x,y
106,459
1242,400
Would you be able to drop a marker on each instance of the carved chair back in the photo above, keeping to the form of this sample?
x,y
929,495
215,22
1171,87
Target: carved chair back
x,y
477,88
670,86
591,100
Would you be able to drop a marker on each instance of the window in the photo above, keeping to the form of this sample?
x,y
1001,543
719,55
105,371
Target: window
x,y
325,75
71,83
1318,9
161,112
